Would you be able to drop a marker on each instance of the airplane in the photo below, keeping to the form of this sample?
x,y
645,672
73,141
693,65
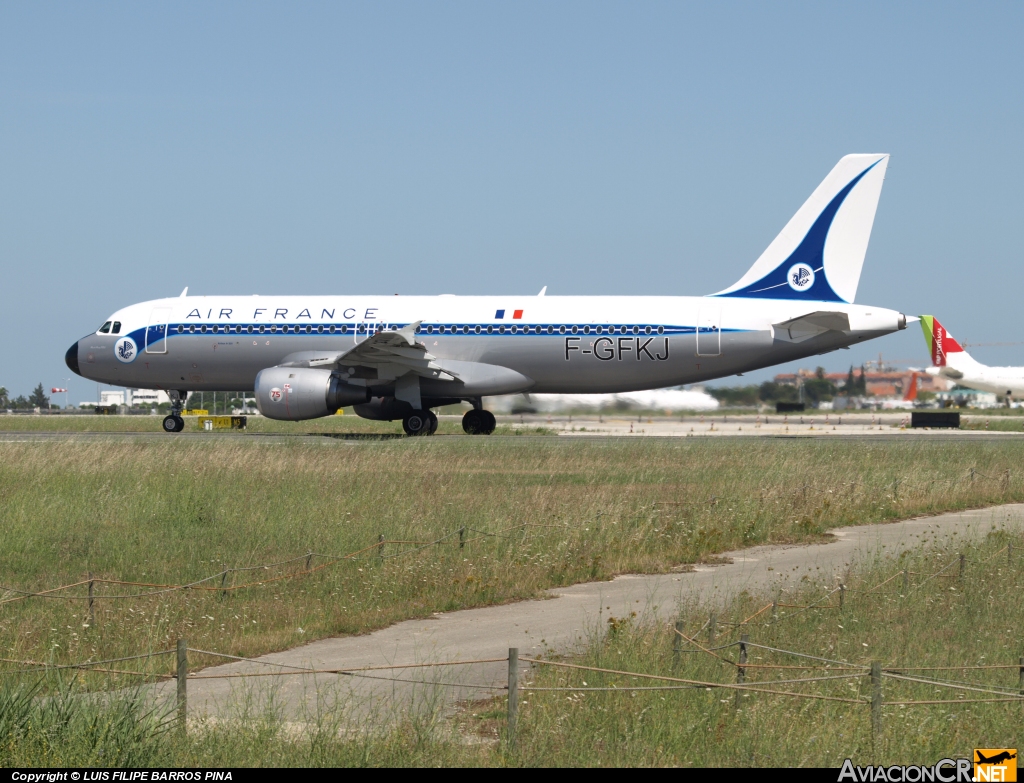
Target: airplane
x,y
1003,756
909,399
951,361
396,357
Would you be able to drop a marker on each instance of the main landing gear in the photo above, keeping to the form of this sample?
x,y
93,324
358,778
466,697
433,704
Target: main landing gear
x,y
420,423
478,422
174,422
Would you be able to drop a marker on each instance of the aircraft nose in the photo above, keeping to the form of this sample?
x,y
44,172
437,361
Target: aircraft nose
x,y
71,359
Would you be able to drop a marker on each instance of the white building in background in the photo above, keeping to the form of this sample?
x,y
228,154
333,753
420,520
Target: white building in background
x,y
129,397
148,396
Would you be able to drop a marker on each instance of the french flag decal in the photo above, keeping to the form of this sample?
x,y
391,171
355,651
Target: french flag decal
x,y
500,315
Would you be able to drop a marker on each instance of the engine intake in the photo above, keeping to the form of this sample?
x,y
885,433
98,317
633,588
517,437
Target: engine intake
x,y
298,393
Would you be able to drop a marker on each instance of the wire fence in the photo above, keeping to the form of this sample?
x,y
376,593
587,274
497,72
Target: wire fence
x,y
787,686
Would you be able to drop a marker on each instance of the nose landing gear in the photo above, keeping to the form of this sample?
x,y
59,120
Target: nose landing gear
x,y
174,422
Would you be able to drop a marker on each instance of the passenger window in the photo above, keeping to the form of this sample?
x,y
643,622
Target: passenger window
x,y
105,329
117,328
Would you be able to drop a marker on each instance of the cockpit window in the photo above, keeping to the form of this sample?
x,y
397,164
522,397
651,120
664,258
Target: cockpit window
x,y
117,328
105,329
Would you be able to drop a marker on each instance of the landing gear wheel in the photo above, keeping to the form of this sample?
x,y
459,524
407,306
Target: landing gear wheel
x,y
417,423
478,422
489,422
173,424
433,422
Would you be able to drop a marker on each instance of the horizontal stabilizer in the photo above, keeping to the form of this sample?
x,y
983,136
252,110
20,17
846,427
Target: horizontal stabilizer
x,y
797,330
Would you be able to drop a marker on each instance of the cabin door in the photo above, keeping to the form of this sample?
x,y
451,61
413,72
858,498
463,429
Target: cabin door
x,y
709,331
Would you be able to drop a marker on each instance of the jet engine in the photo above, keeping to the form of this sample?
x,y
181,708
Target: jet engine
x,y
297,393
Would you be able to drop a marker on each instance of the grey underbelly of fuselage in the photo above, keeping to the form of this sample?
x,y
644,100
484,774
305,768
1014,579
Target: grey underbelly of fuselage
x,y
556,363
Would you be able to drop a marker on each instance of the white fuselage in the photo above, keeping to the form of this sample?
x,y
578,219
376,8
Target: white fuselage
x,y
965,371
594,344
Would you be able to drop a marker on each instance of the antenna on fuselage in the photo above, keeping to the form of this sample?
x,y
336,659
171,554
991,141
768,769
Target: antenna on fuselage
x,y
184,293
543,291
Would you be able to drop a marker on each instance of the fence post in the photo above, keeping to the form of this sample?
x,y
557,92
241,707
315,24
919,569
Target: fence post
x,y
677,644
92,613
182,683
380,546
906,581
223,582
513,694
741,672
876,699
712,628
972,475
309,560
1006,479
842,595
775,608
896,491
963,564
1020,682
1009,553
462,537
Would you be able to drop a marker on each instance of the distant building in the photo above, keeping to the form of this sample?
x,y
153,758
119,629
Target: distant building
x,y
890,383
148,396
130,397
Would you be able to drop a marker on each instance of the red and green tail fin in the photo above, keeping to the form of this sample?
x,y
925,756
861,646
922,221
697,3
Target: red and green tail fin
x,y
940,342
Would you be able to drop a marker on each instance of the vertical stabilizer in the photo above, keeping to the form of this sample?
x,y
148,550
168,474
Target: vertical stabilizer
x,y
818,256
941,344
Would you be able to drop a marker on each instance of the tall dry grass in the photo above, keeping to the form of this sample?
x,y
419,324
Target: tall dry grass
x,y
172,512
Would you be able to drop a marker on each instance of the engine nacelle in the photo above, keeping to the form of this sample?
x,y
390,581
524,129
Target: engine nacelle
x,y
297,393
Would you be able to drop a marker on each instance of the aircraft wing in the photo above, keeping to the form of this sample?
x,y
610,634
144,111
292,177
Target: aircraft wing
x,y
804,327
391,354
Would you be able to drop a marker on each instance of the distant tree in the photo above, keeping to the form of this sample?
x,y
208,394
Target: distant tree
x,y
819,388
735,395
862,381
850,387
769,391
20,402
4,402
38,398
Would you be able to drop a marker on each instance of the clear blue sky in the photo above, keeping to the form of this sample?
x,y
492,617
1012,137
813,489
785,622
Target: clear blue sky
x,y
487,148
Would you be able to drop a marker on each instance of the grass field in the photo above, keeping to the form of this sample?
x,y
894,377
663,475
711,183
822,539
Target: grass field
x,y
539,513
943,622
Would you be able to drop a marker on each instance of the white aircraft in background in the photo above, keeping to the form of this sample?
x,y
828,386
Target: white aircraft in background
x,y
396,357
953,362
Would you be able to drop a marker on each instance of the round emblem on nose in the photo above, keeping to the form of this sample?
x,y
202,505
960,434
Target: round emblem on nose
x,y
125,350
800,277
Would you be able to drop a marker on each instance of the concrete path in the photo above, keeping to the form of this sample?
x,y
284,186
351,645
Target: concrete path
x,y
563,623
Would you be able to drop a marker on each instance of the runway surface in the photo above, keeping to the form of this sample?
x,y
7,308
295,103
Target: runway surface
x,y
562,623
859,426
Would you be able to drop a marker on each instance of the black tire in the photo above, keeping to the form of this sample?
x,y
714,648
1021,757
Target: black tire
x,y
433,422
171,424
417,423
473,423
489,422
478,422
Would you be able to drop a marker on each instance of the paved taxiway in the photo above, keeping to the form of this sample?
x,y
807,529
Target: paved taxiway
x,y
561,624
